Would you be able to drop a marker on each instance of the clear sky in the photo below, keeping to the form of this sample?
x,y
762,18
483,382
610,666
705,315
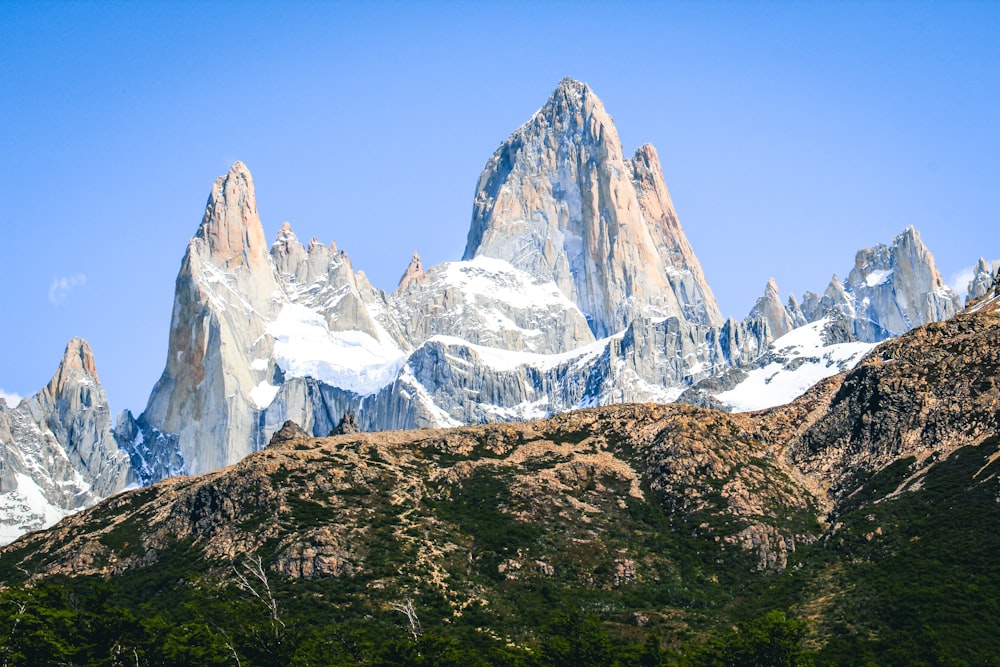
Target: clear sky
x,y
791,134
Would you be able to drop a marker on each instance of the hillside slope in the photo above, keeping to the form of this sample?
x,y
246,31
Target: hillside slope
x,y
875,492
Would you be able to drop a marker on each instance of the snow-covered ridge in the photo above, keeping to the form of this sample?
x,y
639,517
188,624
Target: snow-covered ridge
x,y
304,346
498,280
800,359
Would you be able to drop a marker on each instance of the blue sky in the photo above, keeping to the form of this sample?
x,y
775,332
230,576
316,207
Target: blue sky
x,y
791,133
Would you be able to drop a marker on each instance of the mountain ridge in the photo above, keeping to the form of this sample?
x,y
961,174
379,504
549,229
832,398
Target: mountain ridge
x,y
578,288
661,520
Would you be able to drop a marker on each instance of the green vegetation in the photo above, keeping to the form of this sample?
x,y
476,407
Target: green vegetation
x,y
586,576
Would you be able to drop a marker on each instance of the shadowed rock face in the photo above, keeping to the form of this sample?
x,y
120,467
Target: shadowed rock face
x,y
559,200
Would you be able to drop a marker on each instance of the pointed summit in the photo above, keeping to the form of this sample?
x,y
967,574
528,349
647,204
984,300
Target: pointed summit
x,y
77,366
982,280
414,271
231,226
560,201
770,310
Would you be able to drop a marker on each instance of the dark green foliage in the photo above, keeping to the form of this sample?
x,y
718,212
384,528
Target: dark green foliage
x,y
770,641
909,579
925,590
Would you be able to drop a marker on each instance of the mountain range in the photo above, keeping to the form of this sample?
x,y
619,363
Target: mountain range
x,y
577,289
856,524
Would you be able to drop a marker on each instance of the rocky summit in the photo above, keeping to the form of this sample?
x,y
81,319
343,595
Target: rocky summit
x,y
57,448
626,534
578,288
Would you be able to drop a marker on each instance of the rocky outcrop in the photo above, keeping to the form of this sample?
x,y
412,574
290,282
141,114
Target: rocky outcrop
x,y
560,201
983,277
348,424
223,301
488,302
890,290
58,451
770,310
923,394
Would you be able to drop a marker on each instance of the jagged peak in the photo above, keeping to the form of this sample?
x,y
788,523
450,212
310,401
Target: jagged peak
x,y
286,232
573,107
571,88
647,154
414,271
771,289
286,237
78,354
231,225
77,360
908,234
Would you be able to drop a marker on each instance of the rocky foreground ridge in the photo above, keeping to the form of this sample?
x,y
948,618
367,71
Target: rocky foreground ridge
x,y
669,514
578,288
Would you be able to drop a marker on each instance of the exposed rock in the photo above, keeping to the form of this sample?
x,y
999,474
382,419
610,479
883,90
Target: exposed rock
x,y
559,201
348,424
58,452
982,281
414,271
488,302
289,431
890,290
769,309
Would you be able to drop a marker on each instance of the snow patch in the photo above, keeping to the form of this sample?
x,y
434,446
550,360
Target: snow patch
x,y
263,394
498,280
782,381
305,347
26,508
877,277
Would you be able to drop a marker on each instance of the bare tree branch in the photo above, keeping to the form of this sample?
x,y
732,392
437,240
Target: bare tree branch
x,y
411,615
13,629
254,566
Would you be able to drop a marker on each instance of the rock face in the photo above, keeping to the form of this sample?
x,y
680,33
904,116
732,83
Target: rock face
x,y
983,277
780,319
578,289
753,483
223,301
58,452
560,201
890,290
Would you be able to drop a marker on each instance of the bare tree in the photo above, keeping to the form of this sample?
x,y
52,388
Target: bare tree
x,y
254,567
13,629
232,649
116,651
411,615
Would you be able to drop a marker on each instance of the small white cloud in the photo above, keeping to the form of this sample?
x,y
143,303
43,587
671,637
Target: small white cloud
x,y
10,398
960,281
61,287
